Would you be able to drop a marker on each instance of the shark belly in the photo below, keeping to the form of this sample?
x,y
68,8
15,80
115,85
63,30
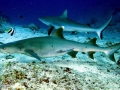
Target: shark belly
x,y
54,47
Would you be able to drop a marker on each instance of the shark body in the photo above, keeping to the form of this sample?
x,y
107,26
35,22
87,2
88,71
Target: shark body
x,y
55,45
70,25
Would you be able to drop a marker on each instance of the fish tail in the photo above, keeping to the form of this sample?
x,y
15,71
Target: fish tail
x,y
101,28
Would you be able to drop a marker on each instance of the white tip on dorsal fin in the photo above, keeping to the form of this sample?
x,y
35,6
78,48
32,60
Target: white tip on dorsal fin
x,y
59,32
64,15
62,27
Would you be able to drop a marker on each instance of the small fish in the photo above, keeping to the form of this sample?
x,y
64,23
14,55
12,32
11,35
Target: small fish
x,y
20,16
10,31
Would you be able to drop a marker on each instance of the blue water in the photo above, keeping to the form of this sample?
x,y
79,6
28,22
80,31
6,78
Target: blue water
x,y
78,10
24,12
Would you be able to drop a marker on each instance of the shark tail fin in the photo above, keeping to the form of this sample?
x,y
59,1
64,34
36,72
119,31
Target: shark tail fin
x,y
111,50
101,28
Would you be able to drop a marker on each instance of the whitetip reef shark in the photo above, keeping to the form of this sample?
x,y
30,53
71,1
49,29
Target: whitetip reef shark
x,y
55,45
58,21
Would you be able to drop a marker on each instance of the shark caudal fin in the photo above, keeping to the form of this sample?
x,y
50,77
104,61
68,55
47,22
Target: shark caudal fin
x,y
101,28
111,50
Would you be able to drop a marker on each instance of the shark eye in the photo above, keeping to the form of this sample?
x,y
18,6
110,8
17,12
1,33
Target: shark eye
x,y
3,48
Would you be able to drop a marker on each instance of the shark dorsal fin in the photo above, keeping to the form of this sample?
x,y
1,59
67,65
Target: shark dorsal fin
x,y
59,32
64,15
93,42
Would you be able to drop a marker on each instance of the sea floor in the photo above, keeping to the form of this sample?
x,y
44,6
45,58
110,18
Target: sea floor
x,y
21,72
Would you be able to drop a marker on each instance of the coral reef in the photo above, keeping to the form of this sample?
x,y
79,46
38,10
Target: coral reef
x,y
33,27
48,76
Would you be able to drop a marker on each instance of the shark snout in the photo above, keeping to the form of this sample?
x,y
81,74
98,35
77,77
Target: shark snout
x,y
44,20
40,19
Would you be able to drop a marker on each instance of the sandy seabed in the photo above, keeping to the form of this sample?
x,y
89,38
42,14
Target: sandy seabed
x,y
60,75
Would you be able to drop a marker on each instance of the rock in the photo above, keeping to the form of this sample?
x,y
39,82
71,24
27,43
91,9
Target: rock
x,y
9,57
33,27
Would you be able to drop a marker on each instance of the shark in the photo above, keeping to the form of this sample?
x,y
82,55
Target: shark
x,y
56,45
70,25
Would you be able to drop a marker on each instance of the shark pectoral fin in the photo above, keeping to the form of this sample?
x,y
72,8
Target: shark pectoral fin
x,y
90,54
50,29
73,53
58,33
32,54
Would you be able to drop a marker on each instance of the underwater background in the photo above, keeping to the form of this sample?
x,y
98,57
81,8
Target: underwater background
x,y
21,72
81,11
